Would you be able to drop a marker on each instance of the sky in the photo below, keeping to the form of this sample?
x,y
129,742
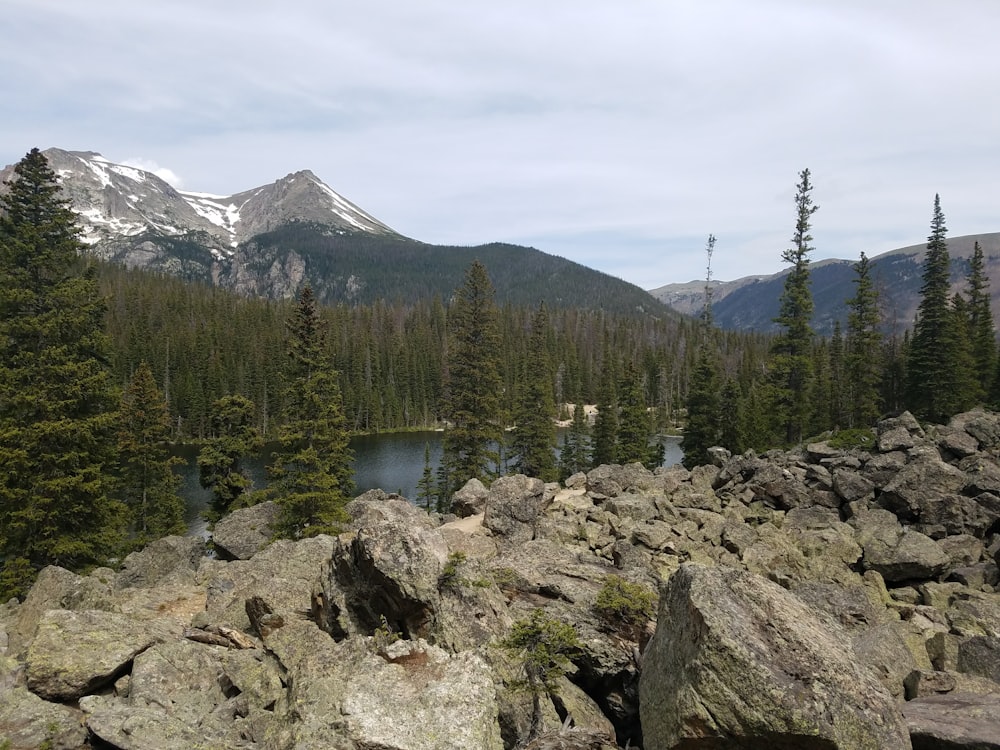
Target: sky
x,y
616,134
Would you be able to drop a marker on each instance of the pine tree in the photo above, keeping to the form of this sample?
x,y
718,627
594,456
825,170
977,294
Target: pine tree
x,y
311,473
425,485
147,482
575,456
605,433
982,335
634,424
220,461
936,387
535,432
731,435
703,428
863,361
474,385
57,402
791,354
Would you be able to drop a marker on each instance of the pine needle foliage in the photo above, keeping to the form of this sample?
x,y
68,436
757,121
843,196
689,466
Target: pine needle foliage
x,y
57,400
147,483
312,471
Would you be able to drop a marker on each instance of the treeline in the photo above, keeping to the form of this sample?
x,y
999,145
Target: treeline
x,y
807,385
204,343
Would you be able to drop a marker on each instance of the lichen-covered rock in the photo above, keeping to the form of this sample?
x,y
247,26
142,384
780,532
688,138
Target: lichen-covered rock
x,y
514,506
470,500
284,575
27,723
406,695
243,533
954,721
75,653
58,588
738,661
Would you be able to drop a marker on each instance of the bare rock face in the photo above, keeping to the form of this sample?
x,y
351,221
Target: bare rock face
x,y
245,532
955,721
27,723
75,653
737,661
514,506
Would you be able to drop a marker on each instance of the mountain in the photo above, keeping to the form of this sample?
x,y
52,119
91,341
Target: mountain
x,y
270,240
751,303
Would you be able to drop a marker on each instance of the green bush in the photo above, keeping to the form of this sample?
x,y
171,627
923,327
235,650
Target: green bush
x,y
625,607
858,437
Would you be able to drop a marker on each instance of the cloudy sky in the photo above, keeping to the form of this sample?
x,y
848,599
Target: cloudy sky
x,y
617,134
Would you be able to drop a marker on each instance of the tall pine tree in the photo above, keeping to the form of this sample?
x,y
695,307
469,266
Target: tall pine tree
x,y
147,482
936,386
982,335
535,431
312,473
863,362
234,437
57,402
791,355
472,403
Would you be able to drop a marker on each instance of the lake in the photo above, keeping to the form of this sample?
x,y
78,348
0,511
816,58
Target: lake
x,y
393,462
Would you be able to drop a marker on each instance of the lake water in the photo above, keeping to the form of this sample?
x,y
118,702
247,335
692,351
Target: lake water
x,y
393,462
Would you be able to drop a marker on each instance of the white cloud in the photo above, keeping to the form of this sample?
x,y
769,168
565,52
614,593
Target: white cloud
x,y
618,135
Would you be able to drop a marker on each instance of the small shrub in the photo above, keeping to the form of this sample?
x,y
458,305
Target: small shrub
x,y
449,573
858,437
384,636
625,607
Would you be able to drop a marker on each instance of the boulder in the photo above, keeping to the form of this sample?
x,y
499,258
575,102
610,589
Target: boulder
x,y
514,506
27,723
737,661
912,492
897,553
954,721
470,500
980,655
58,588
402,695
75,653
172,559
283,574
243,533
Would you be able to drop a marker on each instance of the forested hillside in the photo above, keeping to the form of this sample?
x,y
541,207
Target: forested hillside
x,y
363,268
204,342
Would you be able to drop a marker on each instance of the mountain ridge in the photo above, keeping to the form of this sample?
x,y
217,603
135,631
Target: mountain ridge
x,y
751,302
272,239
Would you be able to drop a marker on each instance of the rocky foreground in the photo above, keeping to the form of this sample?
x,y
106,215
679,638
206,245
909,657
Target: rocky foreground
x,y
814,599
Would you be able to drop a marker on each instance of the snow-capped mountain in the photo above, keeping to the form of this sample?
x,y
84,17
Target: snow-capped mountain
x,y
116,202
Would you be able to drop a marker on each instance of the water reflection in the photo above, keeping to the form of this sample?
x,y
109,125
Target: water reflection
x,y
393,462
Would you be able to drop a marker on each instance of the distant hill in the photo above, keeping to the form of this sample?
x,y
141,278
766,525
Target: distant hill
x,y
271,240
751,303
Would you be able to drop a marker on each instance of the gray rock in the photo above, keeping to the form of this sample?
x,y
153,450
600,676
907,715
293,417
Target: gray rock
x,y
27,723
283,574
954,721
898,554
405,695
167,560
75,653
58,588
245,532
912,492
743,663
852,486
980,655
470,500
514,506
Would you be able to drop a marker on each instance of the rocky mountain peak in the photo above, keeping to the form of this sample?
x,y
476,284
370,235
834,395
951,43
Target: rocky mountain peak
x,y
116,202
